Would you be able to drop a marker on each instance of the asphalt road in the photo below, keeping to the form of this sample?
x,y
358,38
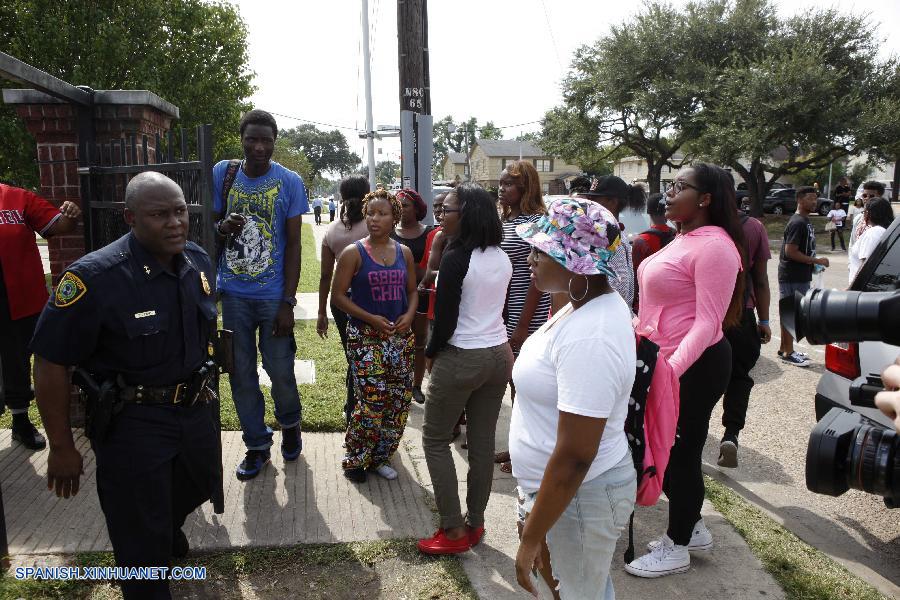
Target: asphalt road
x,y
855,528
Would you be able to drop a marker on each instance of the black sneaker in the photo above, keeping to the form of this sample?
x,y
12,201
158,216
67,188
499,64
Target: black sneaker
x,y
180,546
24,432
252,464
355,475
291,443
728,451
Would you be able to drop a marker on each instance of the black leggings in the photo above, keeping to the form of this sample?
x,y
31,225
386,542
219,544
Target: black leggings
x,y
701,387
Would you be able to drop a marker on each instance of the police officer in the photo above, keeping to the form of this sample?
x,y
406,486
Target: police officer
x,y
136,316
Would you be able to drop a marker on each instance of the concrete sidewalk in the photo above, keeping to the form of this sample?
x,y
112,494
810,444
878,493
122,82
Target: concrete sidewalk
x,y
309,501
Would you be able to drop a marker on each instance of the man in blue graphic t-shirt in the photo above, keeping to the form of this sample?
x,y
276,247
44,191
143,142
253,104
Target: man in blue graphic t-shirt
x,y
258,273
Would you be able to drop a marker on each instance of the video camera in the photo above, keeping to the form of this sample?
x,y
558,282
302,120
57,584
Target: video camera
x,y
847,450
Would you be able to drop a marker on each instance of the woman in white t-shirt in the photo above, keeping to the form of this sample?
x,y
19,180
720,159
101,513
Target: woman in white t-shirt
x,y
576,480
878,217
470,361
837,216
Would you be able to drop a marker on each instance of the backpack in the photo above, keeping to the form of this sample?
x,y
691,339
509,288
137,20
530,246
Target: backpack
x,y
664,236
650,425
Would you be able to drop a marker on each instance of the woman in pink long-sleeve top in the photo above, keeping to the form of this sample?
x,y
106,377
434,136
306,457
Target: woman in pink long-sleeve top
x,y
689,290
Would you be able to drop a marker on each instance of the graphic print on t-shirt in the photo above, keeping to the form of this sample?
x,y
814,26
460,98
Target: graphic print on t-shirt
x,y
250,254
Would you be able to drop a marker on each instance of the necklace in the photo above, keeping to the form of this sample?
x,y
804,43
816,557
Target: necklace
x,y
381,255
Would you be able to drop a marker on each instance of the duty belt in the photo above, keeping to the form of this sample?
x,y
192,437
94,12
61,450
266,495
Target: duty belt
x,y
180,394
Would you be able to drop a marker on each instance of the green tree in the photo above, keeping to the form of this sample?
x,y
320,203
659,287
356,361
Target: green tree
x,y
446,141
881,121
385,172
192,53
768,116
289,156
327,151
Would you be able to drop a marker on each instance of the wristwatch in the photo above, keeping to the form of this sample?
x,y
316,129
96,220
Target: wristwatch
x,y
292,300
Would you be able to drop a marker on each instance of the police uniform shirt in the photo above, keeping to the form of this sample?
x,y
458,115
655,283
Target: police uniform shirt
x,y
118,311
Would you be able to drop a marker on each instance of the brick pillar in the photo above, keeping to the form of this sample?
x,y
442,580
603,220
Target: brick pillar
x,y
54,128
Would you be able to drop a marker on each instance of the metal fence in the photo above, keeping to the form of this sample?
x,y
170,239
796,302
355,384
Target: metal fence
x,y
112,165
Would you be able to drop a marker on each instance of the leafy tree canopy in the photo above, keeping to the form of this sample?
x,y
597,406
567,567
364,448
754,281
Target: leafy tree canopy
x,y
192,53
446,142
327,151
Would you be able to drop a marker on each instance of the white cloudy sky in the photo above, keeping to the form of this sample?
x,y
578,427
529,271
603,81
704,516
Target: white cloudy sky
x,y
497,61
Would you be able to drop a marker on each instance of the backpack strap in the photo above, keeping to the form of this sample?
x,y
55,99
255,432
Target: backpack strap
x,y
231,172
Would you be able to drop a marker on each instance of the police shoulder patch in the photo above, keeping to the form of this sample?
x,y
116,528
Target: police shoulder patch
x,y
69,290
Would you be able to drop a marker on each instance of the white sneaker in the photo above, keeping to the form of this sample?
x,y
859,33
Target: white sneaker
x,y
668,558
386,471
701,539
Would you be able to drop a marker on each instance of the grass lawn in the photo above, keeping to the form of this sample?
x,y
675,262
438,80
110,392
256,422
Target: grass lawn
x,y
801,570
775,225
309,264
383,569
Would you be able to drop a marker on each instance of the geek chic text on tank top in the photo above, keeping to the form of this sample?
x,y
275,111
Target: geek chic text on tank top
x,y
379,289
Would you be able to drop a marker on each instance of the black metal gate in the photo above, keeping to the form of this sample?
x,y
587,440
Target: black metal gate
x,y
112,165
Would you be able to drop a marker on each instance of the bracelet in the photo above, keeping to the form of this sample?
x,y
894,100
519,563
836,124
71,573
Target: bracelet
x,y
766,322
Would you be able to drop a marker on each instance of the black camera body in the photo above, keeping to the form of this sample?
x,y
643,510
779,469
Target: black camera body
x,y
847,450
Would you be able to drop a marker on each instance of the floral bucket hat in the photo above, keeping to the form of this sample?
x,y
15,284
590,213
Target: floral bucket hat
x,y
581,235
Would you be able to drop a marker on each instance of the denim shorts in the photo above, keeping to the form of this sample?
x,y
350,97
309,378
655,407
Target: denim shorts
x,y
787,288
583,539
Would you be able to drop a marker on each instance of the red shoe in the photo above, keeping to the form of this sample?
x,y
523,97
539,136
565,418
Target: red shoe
x,y
475,535
441,544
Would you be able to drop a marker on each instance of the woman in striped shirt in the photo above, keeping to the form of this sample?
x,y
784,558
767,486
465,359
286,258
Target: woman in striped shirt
x,y
527,307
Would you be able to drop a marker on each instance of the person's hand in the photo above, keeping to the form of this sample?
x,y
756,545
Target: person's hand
x,y
322,325
383,326
233,223
822,260
889,400
64,469
528,561
70,210
765,333
284,321
403,323
518,338
429,362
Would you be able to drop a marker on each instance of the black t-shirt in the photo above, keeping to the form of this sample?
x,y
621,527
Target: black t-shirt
x,y
842,193
798,231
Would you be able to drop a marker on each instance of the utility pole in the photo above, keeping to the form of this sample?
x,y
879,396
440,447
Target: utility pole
x,y
416,123
367,72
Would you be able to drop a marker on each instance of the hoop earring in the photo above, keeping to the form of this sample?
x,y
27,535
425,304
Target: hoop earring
x,y
587,284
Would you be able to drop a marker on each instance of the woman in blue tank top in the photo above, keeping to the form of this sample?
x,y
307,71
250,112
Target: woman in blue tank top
x,y
381,276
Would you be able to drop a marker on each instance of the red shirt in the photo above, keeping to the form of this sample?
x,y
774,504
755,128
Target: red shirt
x,y
428,242
23,213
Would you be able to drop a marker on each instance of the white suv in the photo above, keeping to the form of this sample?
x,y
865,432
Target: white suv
x,y
847,363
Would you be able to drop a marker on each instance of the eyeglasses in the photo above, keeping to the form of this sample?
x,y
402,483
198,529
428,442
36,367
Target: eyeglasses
x,y
676,187
451,210
865,195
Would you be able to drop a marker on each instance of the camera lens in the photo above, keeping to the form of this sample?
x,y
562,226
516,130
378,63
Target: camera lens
x,y
846,451
825,316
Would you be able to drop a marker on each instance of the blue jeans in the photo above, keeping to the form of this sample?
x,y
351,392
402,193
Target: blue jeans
x,y
245,317
583,539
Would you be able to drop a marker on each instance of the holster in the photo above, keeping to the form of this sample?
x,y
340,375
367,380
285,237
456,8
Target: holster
x,y
223,350
101,403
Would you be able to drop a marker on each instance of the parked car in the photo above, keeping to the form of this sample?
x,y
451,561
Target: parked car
x,y
846,363
741,191
784,202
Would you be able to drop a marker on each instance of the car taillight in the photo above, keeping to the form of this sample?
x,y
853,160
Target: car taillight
x,y
843,359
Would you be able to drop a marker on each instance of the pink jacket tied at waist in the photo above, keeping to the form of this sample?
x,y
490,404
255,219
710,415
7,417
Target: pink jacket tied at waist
x,y
686,288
